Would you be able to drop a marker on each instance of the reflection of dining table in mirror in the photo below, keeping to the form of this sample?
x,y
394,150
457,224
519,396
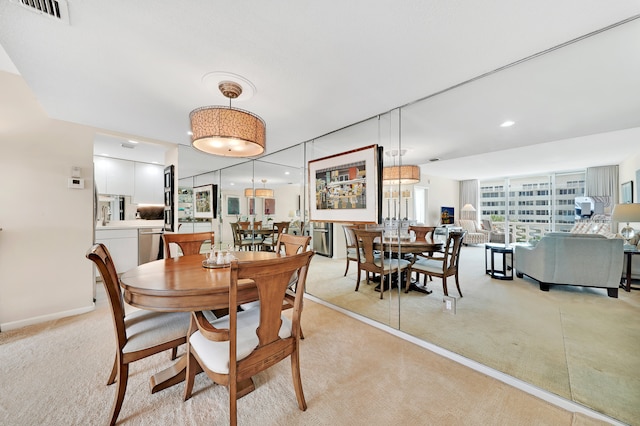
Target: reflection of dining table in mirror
x,y
404,246
183,284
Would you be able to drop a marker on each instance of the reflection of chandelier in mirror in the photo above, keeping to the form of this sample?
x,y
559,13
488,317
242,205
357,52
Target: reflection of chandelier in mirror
x,y
403,175
259,192
227,131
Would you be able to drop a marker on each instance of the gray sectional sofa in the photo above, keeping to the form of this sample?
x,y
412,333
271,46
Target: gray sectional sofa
x,y
562,258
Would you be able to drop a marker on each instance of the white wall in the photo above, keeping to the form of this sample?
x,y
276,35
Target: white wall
x,y
47,228
442,192
627,172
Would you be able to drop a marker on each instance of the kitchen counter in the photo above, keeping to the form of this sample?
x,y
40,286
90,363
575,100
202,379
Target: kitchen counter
x,y
131,224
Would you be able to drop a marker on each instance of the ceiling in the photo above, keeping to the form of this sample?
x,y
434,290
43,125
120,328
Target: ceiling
x,y
134,71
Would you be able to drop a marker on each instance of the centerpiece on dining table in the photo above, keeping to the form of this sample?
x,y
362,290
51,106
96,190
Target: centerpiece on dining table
x,y
219,258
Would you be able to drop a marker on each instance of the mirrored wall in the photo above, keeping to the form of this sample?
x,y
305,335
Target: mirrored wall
x,y
490,327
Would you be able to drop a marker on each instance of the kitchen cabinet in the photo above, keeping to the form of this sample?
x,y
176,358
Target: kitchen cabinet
x,y
123,246
114,176
148,183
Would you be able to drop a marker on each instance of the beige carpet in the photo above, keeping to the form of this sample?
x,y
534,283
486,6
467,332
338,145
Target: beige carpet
x,y
353,374
572,341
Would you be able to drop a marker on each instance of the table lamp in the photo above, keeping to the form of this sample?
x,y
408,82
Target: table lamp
x,y
626,213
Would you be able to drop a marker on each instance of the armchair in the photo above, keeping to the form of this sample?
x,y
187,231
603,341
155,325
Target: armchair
x,y
475,234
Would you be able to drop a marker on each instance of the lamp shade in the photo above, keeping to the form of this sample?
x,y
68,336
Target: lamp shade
x,y
468,208
259,192
405,175
227,131
626,213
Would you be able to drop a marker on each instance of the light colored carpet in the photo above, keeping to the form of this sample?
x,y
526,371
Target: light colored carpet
x,y
572,341
352,373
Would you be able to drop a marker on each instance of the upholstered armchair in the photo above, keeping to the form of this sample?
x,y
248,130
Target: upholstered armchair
x,y
475,234
496,235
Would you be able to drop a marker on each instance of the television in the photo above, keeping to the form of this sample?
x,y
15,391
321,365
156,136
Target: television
x,y
446,215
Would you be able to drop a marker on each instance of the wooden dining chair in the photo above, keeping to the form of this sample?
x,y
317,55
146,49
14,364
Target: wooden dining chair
x,y
139,334
239,239
444,264
369,262
351,246
422,233
292,244
279,228
233,348
188,243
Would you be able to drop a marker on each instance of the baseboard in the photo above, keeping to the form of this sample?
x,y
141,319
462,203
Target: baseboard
x,y
45,318
542,394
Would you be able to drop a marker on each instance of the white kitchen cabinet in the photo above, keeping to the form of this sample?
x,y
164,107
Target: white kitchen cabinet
x,y
149,184
123,246
120,177
114,176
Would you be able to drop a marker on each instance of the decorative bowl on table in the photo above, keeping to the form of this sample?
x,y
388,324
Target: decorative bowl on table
x,y
215,262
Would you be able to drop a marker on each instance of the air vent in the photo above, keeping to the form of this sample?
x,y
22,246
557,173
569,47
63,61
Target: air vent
x,y
56,9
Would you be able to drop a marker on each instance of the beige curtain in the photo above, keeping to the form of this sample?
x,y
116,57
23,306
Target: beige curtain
x,y
469,195
603,181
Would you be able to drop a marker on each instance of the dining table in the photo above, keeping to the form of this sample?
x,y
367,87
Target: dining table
x,y
184,284
405,246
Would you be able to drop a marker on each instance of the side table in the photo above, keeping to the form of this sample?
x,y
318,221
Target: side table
x,y
506,273
628,254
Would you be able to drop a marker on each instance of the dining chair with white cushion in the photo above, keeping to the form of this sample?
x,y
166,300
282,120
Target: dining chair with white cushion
x,y
232,349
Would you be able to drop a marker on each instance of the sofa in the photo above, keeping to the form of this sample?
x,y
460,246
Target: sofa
x,y
475,234
562,258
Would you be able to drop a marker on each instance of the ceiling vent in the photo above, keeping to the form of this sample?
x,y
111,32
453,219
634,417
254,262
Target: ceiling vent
x,y
56,9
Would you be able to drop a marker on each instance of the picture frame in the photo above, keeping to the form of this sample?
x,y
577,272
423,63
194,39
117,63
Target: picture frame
x,y
447,215
204,201
251,206
346,187
169,223
269,206
626,195
232,205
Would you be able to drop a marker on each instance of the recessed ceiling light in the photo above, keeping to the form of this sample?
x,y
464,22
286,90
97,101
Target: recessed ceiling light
x,y
286,173
508,123
132,141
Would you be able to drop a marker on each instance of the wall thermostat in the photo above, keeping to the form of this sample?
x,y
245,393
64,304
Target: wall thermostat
x,y
76,183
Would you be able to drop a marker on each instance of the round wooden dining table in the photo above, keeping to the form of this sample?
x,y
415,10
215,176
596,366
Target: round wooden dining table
x,y
406,246
184,284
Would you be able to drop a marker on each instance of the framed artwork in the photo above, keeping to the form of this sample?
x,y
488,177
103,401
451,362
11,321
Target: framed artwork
x,y
446,215
346,187
204,201
269,206
626,197
232,206
251,206
169,225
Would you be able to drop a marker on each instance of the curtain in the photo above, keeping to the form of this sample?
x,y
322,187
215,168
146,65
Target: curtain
x,y
469,195
602,182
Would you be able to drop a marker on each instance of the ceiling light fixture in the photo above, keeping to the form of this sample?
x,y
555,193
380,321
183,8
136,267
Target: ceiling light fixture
x,y
404,175
227,131
259,192
508,123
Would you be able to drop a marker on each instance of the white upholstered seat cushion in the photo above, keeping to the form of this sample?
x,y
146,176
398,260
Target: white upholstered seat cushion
x,y
149,328
392,264
427,265
215,355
